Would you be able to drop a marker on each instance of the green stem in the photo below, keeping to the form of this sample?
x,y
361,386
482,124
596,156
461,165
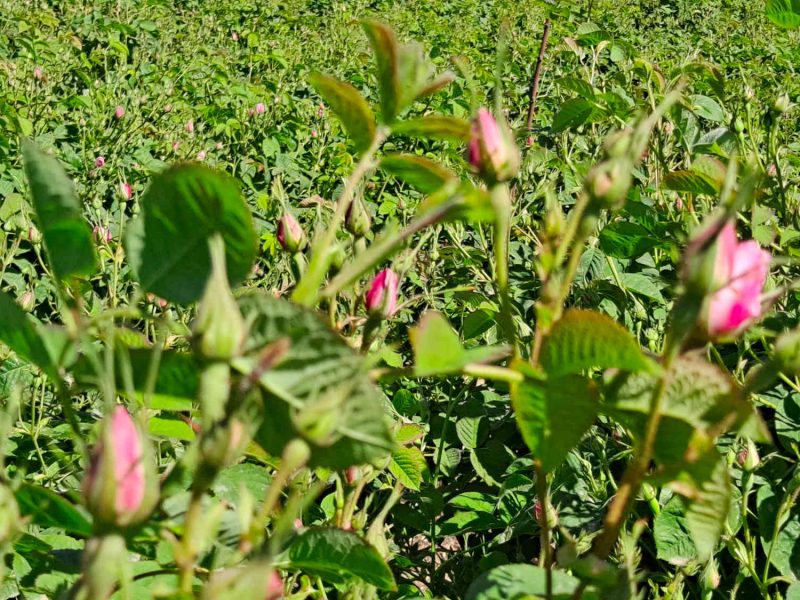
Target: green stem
x,y
307,290
502,231
546,555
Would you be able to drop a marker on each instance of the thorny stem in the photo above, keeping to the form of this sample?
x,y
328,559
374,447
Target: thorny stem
x,y
537,74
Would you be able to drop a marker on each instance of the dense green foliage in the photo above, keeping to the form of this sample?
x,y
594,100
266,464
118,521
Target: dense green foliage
x,y
238,85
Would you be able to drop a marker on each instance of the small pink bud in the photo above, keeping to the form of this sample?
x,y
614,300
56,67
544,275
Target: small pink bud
x,y
218,146
772,170
314,133
381,297
274,587
175,146
28,301
260,108
190,126
290,235
352,475
119,112
740,272
119,484
99,161
201,155
492,151
529,140
34,235
298,524
168,108
101,234
234,36
38,74
126,190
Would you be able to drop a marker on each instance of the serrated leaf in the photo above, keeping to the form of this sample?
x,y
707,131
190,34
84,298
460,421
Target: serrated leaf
x,y
337,555
573,113
689,182
707,108
408,465
469,431
317,364
350,106
584,339
641,284
554,415
784,13
170,427
580,86
48,509
184,207
66,234
435,127
671,534
624,239
419,172
387,57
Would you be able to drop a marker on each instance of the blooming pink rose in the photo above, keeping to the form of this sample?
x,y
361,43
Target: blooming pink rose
x,y
740,272
260,108
99,161
381,297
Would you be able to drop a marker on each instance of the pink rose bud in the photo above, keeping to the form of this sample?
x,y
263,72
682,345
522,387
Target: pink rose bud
x,y
168,108
99,161
119,112
28,301
740,272
298,524
201,155
175,146
34,235
314,133
218,146
235,36
102,234
381,297
119,486
38,74
352,475
190,126
260,108
274,587
290,235
492,150
126,190
772,170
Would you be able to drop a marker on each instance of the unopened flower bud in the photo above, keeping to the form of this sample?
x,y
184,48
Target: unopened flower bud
x,y
120,484
38,74
608,182
492,150
34,235
381,297
711,579
201,155
102,234
28,301
256,581
100,161
782,104
357,220
126,190
352,475
260,108
748,457
219,328
290,235
190,126
119,112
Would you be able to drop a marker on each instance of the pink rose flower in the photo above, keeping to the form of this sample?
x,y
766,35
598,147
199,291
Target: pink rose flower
x,y
491,149
201,155
260,108
99,161
119,112
126,190
740,272
38,74
290,234
381,297
118,485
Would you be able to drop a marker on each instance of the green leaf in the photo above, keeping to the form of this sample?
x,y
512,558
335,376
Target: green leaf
x,y
523,582
229,483
167,244
690,182
18,332
671,534
337,555
573,113
435,127
641,284
316,366
438,350
784,13
471,430
48,509
784,548
624,239
350,106
408,465
707,108
170,427
554,415
580,86
419,172
66,234
584,339
387,57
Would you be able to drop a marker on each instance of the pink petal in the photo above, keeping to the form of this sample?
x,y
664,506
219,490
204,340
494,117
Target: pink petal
x,y
128,466
726,250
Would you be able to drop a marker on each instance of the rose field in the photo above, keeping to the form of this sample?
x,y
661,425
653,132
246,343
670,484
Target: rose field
x,y
400,299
